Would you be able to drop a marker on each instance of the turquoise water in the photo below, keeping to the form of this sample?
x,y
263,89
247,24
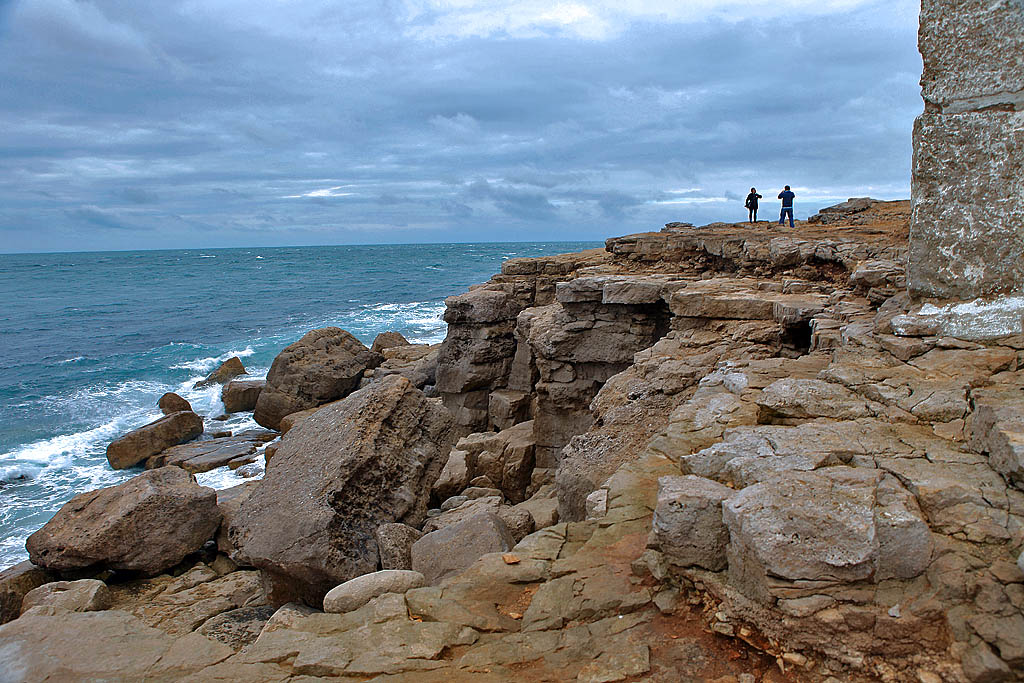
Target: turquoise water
x,y
91,340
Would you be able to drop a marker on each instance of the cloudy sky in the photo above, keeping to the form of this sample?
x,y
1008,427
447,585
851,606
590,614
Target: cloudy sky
x,y
204,123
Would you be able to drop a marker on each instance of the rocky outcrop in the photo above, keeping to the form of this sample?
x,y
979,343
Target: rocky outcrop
x,y
323,366
337,476
147,441
225,372
968,152
505,459
147,524
172,403
241,395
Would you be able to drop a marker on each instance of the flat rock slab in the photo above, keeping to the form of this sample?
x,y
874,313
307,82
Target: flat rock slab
x,y
109,645
203,456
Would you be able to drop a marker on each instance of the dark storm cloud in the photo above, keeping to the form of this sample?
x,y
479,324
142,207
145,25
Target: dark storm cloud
x,y
221,122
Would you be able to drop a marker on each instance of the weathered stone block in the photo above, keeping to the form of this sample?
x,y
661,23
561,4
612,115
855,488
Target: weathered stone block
x,y
687,525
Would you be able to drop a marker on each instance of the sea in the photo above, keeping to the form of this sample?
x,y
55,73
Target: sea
x,y
90,341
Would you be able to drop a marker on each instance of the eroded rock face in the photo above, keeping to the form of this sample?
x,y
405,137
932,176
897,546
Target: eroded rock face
x,y
324,365
965,236
337,476
147,441
147,524
687,524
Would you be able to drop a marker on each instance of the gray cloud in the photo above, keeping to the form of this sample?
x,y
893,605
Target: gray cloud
x,y
211,123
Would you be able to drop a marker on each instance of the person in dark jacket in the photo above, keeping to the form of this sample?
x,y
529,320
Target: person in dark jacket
x,y
752,205
787,205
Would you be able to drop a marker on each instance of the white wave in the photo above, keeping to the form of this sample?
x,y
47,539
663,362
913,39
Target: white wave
x,y
207,256
71,360
56,448
209,363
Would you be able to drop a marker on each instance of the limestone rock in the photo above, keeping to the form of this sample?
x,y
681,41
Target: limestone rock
x,y
185,605
241,395
227,371
394,544
137,445
15,584
324,365
807,398
337,476
388,340
997,428
448,551
356,592
147,524
837,525
205,455
229,500
687,525
172,403
99,645
84,595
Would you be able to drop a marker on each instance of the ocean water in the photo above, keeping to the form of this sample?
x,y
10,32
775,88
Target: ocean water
x,y
90,341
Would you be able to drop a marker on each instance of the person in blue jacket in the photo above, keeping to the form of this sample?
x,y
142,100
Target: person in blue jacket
x,y
787,205
752,205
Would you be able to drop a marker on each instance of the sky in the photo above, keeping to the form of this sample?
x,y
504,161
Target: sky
x,y
224,123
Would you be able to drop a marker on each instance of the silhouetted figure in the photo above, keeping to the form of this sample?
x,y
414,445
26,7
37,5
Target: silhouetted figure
x,y
752,205
787,205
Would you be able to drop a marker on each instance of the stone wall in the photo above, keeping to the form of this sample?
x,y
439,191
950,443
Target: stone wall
x,y
967,230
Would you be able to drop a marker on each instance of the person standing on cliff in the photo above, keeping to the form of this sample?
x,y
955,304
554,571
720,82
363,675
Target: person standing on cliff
x,y
787,205
752,205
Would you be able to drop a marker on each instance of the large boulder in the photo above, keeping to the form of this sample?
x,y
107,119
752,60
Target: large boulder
x,y
446,552
147,441
388,340
241,395
324,365
147,524
227,371
337,476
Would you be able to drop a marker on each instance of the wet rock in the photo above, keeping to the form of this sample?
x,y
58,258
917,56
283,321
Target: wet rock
x,y
448,551
84,595
356,592
337,476
172,403
15,584
227,371
147,524
324,365
240,396
147,441
394,544
687,525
